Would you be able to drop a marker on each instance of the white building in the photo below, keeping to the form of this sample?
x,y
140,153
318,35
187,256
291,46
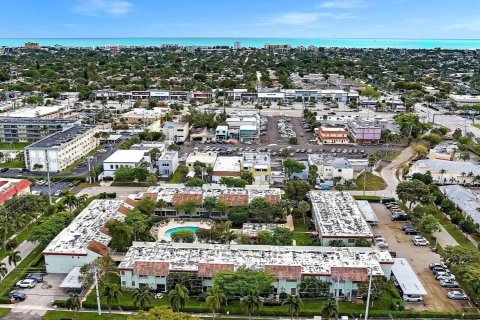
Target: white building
x,y
176,131
83,240
445,150
444,171
124,159
208,158
226,167
330,167
465,199
337,217
464,100
167,163
151,263
61,149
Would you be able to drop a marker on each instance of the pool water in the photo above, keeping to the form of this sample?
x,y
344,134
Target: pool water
x,y
170,231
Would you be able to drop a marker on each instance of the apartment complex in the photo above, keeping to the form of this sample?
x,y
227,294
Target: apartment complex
x,y
61,149
30,129
444,171
332,135
337,217
151,263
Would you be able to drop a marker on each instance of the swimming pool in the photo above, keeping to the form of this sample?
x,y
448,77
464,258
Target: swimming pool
x,y
169,232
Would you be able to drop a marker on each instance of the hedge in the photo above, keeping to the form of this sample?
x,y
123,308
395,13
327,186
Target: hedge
x,y
368,198
5,300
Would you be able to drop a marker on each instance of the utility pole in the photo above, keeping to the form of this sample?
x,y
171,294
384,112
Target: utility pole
x,y
369,292
95,278
48,178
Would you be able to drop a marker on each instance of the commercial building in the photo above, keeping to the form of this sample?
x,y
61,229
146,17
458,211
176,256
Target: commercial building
x,y
10,188
258,163
85,239
208,158
151,264
144,116
444,171
61,149
226,167
465,199
32,45
464,100
221,133
31,129
125,159
176,131
330,135
336,217
364,131
278,47
167,163
39,112
329,167
175,195
445,150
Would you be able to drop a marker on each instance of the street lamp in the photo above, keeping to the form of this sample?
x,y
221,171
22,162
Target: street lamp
x,y
369,292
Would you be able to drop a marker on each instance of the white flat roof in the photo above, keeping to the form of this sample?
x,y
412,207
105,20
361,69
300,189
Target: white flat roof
x,y
126,156
204,157
367,210
34,112
407,278
72,280
337,215
229,164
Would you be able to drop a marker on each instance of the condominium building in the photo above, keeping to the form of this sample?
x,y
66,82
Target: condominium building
x,y
444,171
31,129
151,263
337,217
61,149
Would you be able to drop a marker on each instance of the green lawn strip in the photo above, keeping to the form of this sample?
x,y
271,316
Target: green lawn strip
x,y
70,168
302,239
13,164
300,226
63,315
22,236
13,146
476,125
177,177
372,182
4,312
8,283
391,155
454,232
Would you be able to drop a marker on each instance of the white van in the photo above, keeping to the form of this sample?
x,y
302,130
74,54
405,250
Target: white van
x,y
412,298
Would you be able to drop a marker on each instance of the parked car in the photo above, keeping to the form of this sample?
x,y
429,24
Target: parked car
x,y
420,241
393,254
449,284
412,298
35,276
444,276
436,270
57,193
17,296
437,264
411,231
381,243
457,295
4,170
26,283
400,217
407,225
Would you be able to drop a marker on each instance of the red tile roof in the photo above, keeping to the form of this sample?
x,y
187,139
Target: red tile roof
x,y
349,273
234,200
144,268
180,198
14,189
123,209
152,195
98,248
208,270
285,272
272,198
131,202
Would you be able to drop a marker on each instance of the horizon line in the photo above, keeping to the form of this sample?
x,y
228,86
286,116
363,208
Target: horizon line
x,y
233,38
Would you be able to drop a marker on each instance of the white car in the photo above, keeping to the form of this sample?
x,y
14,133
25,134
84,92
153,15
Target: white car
x,y
457,295
381,243
444,276
420,241
26,283
412,298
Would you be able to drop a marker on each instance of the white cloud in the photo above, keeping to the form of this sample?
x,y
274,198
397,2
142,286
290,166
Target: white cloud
x,y
344,4
103,7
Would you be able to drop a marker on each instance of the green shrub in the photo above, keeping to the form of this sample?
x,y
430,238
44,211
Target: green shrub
x,y
368,198
5,300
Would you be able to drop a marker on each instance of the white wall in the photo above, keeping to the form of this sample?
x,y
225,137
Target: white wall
x,y
65,263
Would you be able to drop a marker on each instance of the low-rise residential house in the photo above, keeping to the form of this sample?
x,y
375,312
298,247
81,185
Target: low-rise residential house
x,y
445,150
125,159
176,131
226,167
258,163
447,172
167,163
332,135
208,158
329,167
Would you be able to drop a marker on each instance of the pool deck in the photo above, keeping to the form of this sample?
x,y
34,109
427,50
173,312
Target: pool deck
x,y
160,231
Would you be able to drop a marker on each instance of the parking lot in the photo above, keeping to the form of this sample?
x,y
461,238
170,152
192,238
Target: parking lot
x,y
42,295
55,188
419,257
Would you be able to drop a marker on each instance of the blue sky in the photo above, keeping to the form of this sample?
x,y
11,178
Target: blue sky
x,y
241,18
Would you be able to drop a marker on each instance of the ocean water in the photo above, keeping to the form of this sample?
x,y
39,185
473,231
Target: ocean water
x,y
254,42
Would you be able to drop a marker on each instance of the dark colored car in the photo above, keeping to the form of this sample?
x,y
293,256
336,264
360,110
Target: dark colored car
x,y
400,217
18,296
392,253
411,231
4,170
407,225
35,276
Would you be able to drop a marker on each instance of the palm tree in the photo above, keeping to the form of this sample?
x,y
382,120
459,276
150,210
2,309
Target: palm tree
x,y
228,236
142,296
161,204
103,102
329,308
121,100
442,172
112,294
463,174
303,206
215,299
20,221
178,297
3,269
251,302
14,258
73,303
294,304
70,200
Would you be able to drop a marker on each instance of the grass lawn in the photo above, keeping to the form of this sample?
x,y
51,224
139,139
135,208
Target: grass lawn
x,y
391,155
177,177
13,146
63,315
13,164
454,232
4,312
302,238
477,125
372,182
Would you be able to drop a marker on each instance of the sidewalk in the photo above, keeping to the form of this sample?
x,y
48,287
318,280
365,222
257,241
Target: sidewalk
x,y
25,248
444,238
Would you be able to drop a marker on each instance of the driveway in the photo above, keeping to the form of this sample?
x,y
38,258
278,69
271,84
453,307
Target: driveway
x,y
419,258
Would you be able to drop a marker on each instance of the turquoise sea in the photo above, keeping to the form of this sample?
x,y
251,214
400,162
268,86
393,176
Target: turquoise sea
x,y
254,42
